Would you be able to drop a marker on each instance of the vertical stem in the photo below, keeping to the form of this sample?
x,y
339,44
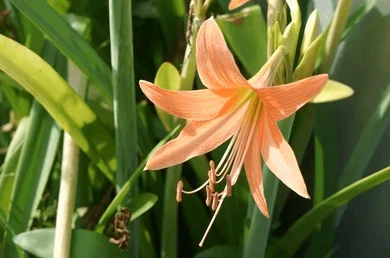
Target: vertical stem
x,y
169,226
67,197
125,119
335,32
69,175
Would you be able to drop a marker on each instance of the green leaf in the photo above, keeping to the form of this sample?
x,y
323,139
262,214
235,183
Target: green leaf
x,y
7,177
357,17
301,229
368,141
63,104
69,42
167,77
32,171
219,251
171,13
125,116
110,211
84,243
333,91
238,28
141,204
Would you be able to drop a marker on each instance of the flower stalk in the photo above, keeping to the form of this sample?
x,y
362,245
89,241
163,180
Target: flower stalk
x,y
68,181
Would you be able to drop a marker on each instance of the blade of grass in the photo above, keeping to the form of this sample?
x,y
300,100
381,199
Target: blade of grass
x,y
69,42
64,105
32,172
298,232
367,143
125,116
10,164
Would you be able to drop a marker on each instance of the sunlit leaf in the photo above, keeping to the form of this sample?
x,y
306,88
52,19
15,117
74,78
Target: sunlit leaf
x,y
84,243
63,103
333,91
167,77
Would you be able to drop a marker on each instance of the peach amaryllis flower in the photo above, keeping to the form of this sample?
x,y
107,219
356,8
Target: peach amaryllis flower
x,y
236,3
244,111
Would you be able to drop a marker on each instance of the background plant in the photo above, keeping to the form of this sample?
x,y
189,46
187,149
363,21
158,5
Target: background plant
x,y
75,70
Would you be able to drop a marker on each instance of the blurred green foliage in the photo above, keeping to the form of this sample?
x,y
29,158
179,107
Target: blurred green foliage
x,y
34,109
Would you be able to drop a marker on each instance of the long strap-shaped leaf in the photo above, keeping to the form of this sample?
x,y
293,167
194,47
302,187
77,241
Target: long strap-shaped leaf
x,y
61,101
298,232
69,42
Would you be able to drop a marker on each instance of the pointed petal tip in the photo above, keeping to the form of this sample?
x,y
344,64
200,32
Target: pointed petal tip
x,y
265,213
304,193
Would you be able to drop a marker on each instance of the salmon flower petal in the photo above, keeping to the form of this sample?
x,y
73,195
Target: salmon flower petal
x,y
192,105
236,3
197,138
282,101
253,170
215,63
280,158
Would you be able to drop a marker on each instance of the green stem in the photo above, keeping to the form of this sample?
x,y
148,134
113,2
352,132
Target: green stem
x,y
336,30
125,116
170,215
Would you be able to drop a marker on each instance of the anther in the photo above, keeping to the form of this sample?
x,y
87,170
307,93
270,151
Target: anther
x,y
214,205
209,196
228,185
212,175
179,189
211,183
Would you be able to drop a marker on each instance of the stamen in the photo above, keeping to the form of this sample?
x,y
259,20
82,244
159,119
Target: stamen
x,y
179,190
212,172
212,221
215,201
228,185
211,184
197,189
209,196
225,155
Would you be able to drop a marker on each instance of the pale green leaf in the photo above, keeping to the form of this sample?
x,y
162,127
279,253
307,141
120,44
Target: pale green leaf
x,y
167,77
84,244
63,103
333,91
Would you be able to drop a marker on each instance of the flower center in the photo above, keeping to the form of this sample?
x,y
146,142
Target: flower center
x,y
229,167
